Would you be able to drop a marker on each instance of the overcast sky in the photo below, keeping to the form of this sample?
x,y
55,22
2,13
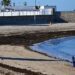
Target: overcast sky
x,y
62,5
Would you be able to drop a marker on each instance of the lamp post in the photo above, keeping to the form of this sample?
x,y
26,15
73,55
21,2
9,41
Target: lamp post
x,y
35,2
35,14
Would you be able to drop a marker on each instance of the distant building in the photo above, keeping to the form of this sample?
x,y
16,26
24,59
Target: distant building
x,y
26,8
26,15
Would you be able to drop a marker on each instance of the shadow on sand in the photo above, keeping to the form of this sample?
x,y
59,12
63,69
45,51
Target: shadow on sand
x,y
27,59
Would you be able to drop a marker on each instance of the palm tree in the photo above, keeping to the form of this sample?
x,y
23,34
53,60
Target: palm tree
x,y
14,4
6,2
25,3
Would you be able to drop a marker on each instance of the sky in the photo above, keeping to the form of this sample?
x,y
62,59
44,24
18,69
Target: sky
x,y
61,5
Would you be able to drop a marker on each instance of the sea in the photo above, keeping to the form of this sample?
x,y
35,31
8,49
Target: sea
x,y
62,48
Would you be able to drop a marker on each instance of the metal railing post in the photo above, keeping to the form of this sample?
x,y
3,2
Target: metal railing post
x,y
34,18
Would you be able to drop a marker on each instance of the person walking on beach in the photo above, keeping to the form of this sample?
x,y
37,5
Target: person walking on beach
x,y
73,61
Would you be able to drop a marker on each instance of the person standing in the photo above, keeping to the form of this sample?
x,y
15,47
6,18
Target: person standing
x,y
73,61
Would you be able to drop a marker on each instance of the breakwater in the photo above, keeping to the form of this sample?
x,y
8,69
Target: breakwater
x,y
25,20
57,17
64,17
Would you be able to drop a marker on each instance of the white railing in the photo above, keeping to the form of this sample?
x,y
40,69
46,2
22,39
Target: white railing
x,y
27,13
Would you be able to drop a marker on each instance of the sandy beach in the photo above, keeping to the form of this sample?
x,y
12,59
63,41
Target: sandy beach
x,y
43,64
19,60
19,30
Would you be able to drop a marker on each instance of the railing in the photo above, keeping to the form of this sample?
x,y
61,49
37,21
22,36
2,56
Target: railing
x,y
27,13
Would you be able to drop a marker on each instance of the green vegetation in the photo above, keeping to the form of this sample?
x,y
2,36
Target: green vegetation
x,y
25,3
37,7
6,2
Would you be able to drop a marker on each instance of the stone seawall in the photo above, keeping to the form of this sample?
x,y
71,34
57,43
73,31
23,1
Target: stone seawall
x,y
64,16
25,20
58,17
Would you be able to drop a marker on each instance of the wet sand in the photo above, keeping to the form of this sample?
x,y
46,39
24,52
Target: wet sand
x,y
39,64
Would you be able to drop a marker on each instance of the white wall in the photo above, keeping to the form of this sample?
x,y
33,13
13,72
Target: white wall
x,y
25,13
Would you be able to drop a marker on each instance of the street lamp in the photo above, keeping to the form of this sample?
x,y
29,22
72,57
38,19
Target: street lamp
x,y
35,2
34,14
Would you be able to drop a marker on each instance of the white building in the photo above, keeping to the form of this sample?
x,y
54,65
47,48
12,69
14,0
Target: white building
x,y
27,10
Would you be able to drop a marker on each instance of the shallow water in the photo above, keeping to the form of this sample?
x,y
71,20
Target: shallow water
x,y
63,48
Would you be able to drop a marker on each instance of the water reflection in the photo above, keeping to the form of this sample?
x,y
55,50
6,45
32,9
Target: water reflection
x,y
63,48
